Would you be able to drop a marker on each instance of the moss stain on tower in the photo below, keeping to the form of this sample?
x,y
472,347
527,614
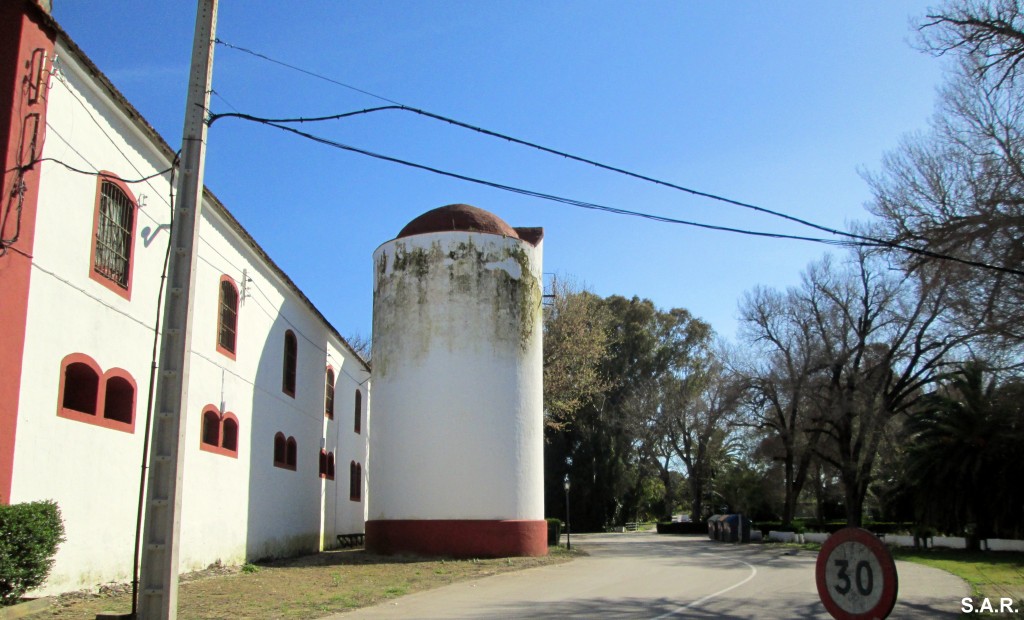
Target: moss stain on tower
x,y
483,271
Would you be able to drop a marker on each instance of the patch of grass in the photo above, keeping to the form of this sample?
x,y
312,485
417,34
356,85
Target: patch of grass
x,y
991,574
307,587
250,568
394,591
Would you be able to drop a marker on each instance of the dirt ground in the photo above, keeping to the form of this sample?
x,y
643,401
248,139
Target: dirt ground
x,y
306,587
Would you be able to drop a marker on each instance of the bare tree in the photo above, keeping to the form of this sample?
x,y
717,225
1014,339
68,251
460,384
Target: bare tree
x,y
959,190
361,345
988,33
883,338
783,355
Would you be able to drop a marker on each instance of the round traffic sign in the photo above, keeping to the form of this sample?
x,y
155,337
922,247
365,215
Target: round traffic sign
x,y
856,576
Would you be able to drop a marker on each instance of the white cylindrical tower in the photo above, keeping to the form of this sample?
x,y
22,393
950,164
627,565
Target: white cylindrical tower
x,y
456,451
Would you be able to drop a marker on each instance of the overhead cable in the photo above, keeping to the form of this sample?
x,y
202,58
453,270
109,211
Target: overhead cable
x,y
858,239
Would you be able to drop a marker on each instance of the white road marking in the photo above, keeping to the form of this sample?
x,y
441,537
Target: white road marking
x,y
753,573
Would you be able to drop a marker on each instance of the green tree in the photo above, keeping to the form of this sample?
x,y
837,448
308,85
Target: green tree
x,y
603,449
576,327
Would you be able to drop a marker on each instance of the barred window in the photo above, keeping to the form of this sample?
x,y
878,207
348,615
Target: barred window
x,y
227,328
358,421
114,226
289,363
329,394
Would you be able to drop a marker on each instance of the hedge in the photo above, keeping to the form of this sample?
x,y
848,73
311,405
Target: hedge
x,y
698,527
831,527
29,536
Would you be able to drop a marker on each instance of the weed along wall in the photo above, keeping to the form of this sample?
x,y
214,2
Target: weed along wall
x,y
457,445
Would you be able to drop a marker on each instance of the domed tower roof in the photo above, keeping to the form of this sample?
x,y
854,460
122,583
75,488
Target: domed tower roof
x,y
458,217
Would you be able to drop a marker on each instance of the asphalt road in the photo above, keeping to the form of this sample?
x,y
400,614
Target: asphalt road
x,y
660,577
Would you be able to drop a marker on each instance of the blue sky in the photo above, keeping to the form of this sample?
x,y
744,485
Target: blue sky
x,y
780,104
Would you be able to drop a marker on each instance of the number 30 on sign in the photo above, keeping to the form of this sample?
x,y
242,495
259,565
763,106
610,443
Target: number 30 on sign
x,y
856,576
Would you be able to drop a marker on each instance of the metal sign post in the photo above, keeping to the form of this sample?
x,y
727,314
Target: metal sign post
x,y
159,574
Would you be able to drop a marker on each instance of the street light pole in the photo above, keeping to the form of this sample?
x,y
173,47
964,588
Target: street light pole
x,y
568,524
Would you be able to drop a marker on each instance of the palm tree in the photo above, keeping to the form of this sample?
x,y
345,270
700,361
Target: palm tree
x,y
957,452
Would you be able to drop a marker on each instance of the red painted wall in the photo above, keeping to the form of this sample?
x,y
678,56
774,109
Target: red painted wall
x,y
458,538
25,40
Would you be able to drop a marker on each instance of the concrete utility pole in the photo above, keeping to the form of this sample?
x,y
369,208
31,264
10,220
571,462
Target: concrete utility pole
x,y
158,590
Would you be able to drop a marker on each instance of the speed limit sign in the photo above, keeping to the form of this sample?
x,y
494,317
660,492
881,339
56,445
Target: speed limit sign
x,y
856,576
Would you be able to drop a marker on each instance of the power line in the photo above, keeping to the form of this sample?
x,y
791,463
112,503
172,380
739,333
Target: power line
x,y
494,134
860,240
533,145
550,197
105,175
301,70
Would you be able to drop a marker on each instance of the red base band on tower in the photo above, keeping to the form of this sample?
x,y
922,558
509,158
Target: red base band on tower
x,y
458,538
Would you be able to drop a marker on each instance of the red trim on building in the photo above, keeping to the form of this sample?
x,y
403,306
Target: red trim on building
x,y
26,49
289,363
97,400
457,538
329,392
225,444
125,291
220,316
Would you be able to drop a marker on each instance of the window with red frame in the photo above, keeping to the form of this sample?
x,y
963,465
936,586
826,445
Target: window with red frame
x,y
329,394
326,464
358,426
86,394
227,317
289,363
285,452
355,481
113,236
219,433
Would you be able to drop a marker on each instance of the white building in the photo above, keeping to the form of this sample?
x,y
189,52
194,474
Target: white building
x,y
277,421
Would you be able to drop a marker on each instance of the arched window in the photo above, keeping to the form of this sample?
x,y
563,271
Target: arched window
x,y
290,363
86,394
227,318
285,452
358,427
329,394
81,387
291,453
220,432
119,402
355,481
229,435
211,428
280,450
113,235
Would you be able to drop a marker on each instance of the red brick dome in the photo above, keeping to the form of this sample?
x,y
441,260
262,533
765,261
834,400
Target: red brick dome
x,y
458,217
